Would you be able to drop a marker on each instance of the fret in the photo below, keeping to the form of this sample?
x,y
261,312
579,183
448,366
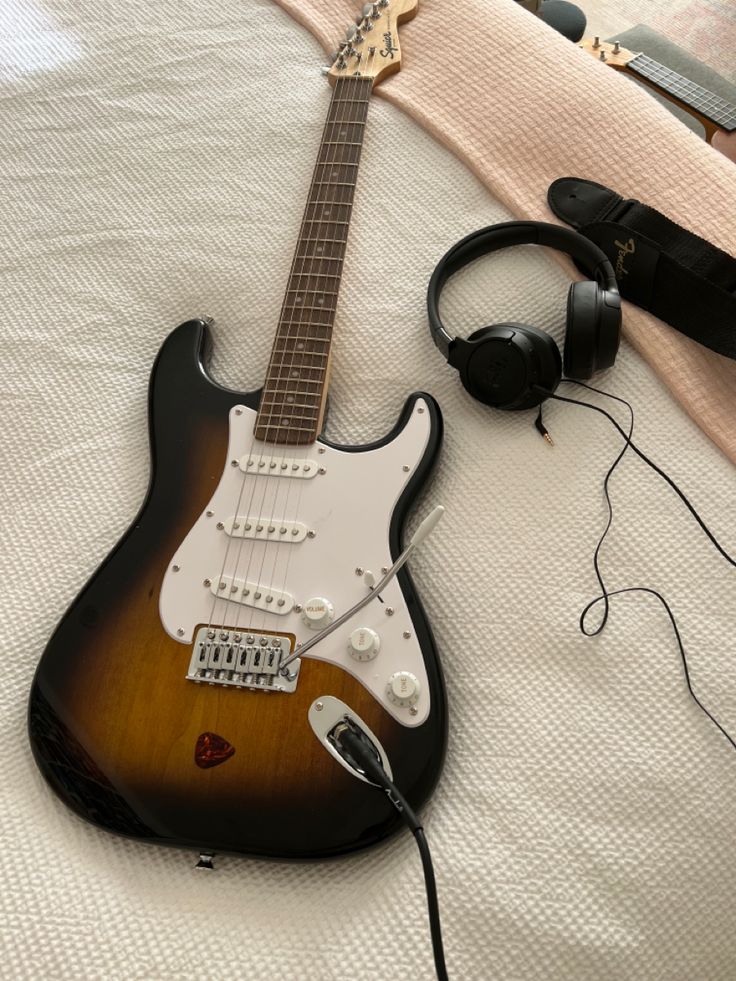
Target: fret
x,y
710,105
315,275
335,183
294,391
319,238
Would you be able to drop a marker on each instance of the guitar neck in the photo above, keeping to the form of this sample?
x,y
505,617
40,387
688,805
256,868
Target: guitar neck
x,y
681,89
293,400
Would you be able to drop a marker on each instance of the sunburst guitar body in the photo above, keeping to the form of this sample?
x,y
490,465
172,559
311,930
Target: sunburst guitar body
x,y
162,707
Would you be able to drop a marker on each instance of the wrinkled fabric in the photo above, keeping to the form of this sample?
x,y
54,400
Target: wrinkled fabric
x,y
154,166
521,106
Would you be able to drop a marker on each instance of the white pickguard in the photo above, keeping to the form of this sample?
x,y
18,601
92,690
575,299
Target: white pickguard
x,y
349,509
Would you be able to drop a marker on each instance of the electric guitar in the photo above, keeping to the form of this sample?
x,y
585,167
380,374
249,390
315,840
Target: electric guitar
x,y
189,693
716,115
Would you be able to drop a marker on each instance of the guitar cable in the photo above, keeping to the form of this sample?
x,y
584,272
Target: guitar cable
x,y
359,752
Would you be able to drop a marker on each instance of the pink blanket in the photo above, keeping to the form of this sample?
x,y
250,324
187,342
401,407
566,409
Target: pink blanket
x,y
520,105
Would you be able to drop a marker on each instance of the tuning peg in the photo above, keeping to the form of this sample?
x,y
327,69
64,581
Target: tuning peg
x,y
351,32
368,10
602,56
597,41
616,47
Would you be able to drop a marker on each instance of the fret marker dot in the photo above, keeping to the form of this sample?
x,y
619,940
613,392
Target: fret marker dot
x,y
295,374
289,398
319,250
300,346
343,133
335,173
298,299
285,422
320,299
325,211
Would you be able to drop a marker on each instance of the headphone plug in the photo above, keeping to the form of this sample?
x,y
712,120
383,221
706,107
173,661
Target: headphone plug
x,y
542,429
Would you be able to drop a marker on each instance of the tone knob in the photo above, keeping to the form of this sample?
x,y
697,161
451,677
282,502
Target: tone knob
x,y
318,612
364,644
403,688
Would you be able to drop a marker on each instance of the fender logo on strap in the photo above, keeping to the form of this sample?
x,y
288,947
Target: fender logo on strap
x,y
211,750
624,249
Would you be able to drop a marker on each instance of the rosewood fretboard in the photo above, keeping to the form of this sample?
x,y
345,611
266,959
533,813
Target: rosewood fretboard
x,y
293,400
707,103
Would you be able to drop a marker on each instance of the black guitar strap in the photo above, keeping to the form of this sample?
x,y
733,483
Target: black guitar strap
x,y
661,266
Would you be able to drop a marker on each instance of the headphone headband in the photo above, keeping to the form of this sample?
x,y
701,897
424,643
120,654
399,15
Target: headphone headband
x,y
494,237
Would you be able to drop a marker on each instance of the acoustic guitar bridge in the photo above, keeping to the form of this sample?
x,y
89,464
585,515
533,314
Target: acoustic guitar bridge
x,y
240,659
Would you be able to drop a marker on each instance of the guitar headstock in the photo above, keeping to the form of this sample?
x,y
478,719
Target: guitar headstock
x,y
371,46
613,54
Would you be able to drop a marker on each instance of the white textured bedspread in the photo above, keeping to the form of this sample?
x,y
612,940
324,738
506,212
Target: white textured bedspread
x,y
154,164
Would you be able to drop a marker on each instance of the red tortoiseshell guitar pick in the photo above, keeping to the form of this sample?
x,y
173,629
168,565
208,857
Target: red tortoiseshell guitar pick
x,y
211,750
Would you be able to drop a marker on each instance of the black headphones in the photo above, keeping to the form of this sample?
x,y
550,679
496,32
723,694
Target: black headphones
x,y
506,365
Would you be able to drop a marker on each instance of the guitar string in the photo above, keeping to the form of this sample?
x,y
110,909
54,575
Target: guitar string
x,y
299,341
229,596
345,125
248,611
287,340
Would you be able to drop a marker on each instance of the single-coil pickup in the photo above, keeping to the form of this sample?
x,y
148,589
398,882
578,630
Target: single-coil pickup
x,y
265,529
280,466
255,594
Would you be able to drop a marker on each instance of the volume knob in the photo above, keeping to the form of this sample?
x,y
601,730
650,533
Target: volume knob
x,y
403,688
318,612
364,644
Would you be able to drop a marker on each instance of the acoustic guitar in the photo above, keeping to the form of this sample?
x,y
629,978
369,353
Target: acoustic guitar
x,y
188,694
716,115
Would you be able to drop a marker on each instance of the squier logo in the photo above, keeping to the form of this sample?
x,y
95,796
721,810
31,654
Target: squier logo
x,y
388,51
624,249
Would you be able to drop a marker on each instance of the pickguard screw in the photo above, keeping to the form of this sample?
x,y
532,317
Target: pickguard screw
x,y
319,706
207,582
209,513
413,710
176,568
406,469
233,463
384,569
321,449
322,470
180,632
238,412
220,525
297,609
420,410
311,534
359,571
389,611
406,635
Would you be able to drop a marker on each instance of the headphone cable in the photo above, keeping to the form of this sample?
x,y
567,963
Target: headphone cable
x,y
605,594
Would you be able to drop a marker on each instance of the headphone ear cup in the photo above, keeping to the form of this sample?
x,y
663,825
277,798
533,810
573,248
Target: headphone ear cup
x,y
501,365
581,333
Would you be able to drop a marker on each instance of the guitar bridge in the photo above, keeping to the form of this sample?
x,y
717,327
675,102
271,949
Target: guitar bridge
x,y
241,659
